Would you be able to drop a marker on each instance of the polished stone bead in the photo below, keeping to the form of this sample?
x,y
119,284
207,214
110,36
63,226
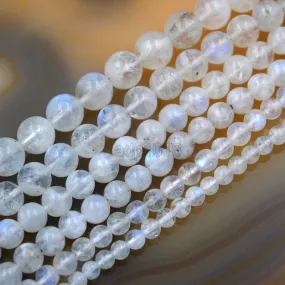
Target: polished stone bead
x,y
224,175
181,207
65,263
196,196
209,185
255,119
271,108
120,250
151,228
201,130
238,134
166,218
105,259
276,40
206,160
101,236
250,154
10,274
135,239
243,6
83,248
237,164
277,135
222,148
138,178
155,200
117,193
221,115
11,234
190,173
137,212
91,270
47,275
264,145
77,278
276,71
172,186
118,223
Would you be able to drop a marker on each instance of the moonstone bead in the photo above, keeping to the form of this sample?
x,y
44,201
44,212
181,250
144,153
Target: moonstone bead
x,y
223,175
218,47
101,236
271,108
196,196
173,117
281,96
105,259
117,193
238,134
151,228
83,248
94,90
181,208
192,65
127,151
65,263
222,148
36,134
172,186
10,274
282,3
32,217
209,185
250,154
11,198
166,218
243,6
276,39
166,83
47,275
206,160
50,241
72,224
57,201
277,135
269,15
29,282
154,50
238,69
181,145
12,157
221,115
137,212
138,178
114,121
77,278
201,130
151,133
140,102
276,71
103,167
213,13
65,112
264,145
118,223
61,159
255,119
184,29
159,161
124,69
87,140
91,270
135,239
237,164
195,101
216,84
155,200
11,234
190,173
120,250
95,209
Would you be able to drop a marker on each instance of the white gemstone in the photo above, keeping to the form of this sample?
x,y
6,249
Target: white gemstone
x,y
83,248
255,119
77,278
281,96
243,6
137,212
276,71
201,130
206,160
250,154
120,250
117,193
166,218
138,178
196,195
271,108
237,164
29,282
223,175
238,134
221,115
101,236
65,263
276,39
222,148
91,270
135,239
151,228
118,223
11,234
264,145
190,173
10,274
47,275
155,200
172,186
209,185
277,135
105,259
181,207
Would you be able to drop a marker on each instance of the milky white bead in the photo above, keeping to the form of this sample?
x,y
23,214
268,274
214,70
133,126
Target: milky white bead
x,y
206,160
250,154
255,119
166,83
65,263
166,218
154,50
47,275
237,164
159,161
91,270
192,65
271,108
281,96
221,115
10,274
238,134
83,249
11,234
118,223
181,207
140,102
103,167
172,186
65,112
138,178
264,145
105,259
184,29
224,175
155,200
12,157
36,134
135,239
190,173
276,39
117,193
277,135
29,282
101,236
137,212
77,278
282,3
243,6
95,209
196,195
201,130
57,201
151,228
123,69
222,148
120,250
94,90
209,185
32,217
276,71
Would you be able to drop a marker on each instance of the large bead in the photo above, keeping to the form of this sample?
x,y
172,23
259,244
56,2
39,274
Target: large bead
x,y
117,193
138,178
11,234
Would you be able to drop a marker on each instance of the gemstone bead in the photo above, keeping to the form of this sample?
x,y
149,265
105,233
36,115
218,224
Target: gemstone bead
x,y
238,134
151,228
138,178
77,278
209,185
221,115
91,270
237,164
135,239
201,130
224,175
117,193
137,212
47,275
264,145
196,195
243,6
166,218
250,154
101,236
189,173
277,135
181,208
281,96
155,200
255,119
120,250
118,223
65,263
105,259
28,282
172,186
271,109
11,234
83,249
276,71
222,148
10,274
276,39
206,160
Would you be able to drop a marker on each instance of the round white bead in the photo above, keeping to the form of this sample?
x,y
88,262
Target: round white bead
x,y
281,96
282,3
120,250
276,39
151,228
91,270
250,154
101,236
117,193
190,173
222,148
206,160
196,196
276,71
105,259
29,282
271,108
221,115
137,212
172,186
237,164
209,185
11,234
166,218
135,239
155,200
264,145
255,119
277,135
201,130
238,134
83,249
47,275
138,178
223,175
181,208
65,263
77,278
118,223
10,274
243,6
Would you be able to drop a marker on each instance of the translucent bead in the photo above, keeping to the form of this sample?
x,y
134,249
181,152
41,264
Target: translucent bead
x,y
11,198
95,204
281,96
264,145
83,248
282,3
118,223
56,201
166,218
269,15
50,241
155,200
238,134
135,239
11,234
29,282
65,263
154,50
209,185
181,145
224,175
77,278
127,151
213,13
140,102
218,47
94,90
101,236
137,212
61,159
201,130
216,84
241,100
65,112
184,29
181,208
32,217
195,101
250,154
166,83
238,69
151,133
124,70
105,259
196,195
159,161
151,228
138,178
36,134
276,39
221,115
120,250
255,119
261,86
243,6
189,173
192,65
271,108
206,160
277,135
103,167
72,224
117,193
276,71
172,186
47,275
91,270
237,164
222,148
10,274
12,157
114,121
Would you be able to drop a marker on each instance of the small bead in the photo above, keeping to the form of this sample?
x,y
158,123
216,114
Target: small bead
x,y
120,250
222,148
255,119
221,115
209,185
201,130
65,263
10,274
206,160
47,275
276,39
155,200
166,218
137,212
29,282
77,278
138,178
151,228
241,100
196,195
135,239
91,270
117,193
276,71
271,108
281,96
277,135
250,154
264,145
238,134
11,234
172,186
118,223
181,207
238,165
105,259
190,173
101,236
243,6
224,175
83,248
